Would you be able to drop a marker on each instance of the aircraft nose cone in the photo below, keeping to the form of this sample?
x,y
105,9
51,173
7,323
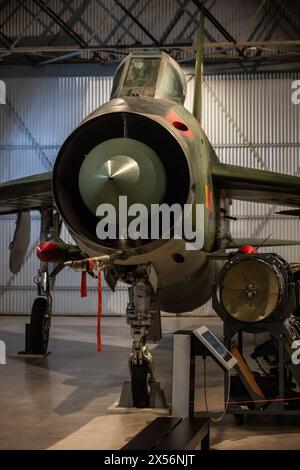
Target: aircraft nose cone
x,y
121,167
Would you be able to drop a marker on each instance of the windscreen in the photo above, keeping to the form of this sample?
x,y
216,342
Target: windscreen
x,y
142,72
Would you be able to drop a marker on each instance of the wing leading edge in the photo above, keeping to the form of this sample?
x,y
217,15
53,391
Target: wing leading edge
x,y
29,193
253,185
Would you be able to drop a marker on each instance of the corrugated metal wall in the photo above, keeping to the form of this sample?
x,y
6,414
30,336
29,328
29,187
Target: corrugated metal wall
x,y
249,119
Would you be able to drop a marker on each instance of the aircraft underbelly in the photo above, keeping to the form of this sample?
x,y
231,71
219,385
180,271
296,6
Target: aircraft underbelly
x,y
184,277
193,289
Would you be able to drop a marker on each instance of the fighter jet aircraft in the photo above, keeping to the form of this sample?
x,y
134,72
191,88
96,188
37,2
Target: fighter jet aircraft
x,y
142,144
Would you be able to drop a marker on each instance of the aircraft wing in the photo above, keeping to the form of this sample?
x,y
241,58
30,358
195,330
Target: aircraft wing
x,y
253,185
29,193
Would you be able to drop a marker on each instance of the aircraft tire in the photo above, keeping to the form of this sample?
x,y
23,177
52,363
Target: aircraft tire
x,y
140,385
239,419
40,325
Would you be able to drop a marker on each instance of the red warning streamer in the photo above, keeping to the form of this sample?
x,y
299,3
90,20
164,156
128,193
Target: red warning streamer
x,y
83,284
99,312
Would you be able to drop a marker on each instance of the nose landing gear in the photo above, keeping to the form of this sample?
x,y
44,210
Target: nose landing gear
x,y
141,369
145,391
139,318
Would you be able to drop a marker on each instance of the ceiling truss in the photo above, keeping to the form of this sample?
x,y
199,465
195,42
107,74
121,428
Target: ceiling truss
x,y
62,32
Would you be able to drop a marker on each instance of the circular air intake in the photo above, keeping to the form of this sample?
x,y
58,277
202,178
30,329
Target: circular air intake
x,y
113,155
121,166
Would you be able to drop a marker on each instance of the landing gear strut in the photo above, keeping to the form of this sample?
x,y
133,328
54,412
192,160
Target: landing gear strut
x,y
141,310
139,318
40,318
37,331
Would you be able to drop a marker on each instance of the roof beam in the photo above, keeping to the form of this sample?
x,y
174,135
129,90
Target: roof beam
x,y
66,7
137,22
285,13
120,21
62,24
31,22
11,14
173,45
218,25
175,20
39,20
76,16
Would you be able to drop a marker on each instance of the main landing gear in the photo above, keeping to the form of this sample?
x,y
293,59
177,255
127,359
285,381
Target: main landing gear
x,y
37,331
40,318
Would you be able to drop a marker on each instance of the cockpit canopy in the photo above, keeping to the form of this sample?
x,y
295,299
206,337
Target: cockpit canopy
x,y
154,74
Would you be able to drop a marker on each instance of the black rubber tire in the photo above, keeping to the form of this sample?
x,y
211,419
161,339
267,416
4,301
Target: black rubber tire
x,y
40,325
140,385
239,419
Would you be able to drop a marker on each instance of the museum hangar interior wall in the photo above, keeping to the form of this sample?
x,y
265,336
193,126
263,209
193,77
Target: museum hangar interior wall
x,y
249,119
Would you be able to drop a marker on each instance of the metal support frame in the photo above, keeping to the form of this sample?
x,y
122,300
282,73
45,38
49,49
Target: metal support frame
x,y
11,14
46,27
93,34
278,7
276,407
137,22
28,25
5,40
76,17
69,31
192,19
218,26
46,54
174,21
35,18
120,21
184,45
66,6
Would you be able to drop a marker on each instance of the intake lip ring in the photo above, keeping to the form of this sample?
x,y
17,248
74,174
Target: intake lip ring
x,y
88,135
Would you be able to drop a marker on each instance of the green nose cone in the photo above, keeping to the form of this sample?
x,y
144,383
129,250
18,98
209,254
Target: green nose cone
x,y
121,167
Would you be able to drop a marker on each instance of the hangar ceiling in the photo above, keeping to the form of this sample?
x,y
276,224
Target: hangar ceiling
x,y
240,35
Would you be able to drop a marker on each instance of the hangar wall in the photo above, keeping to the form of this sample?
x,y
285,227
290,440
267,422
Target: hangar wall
x,y
249,119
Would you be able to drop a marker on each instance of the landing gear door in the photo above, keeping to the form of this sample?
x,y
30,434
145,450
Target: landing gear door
x,y
19,245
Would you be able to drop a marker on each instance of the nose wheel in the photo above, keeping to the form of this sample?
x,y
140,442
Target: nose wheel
x,y
141,368
140,385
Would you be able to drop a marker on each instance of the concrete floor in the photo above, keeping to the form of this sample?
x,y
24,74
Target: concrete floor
x,y
60,402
